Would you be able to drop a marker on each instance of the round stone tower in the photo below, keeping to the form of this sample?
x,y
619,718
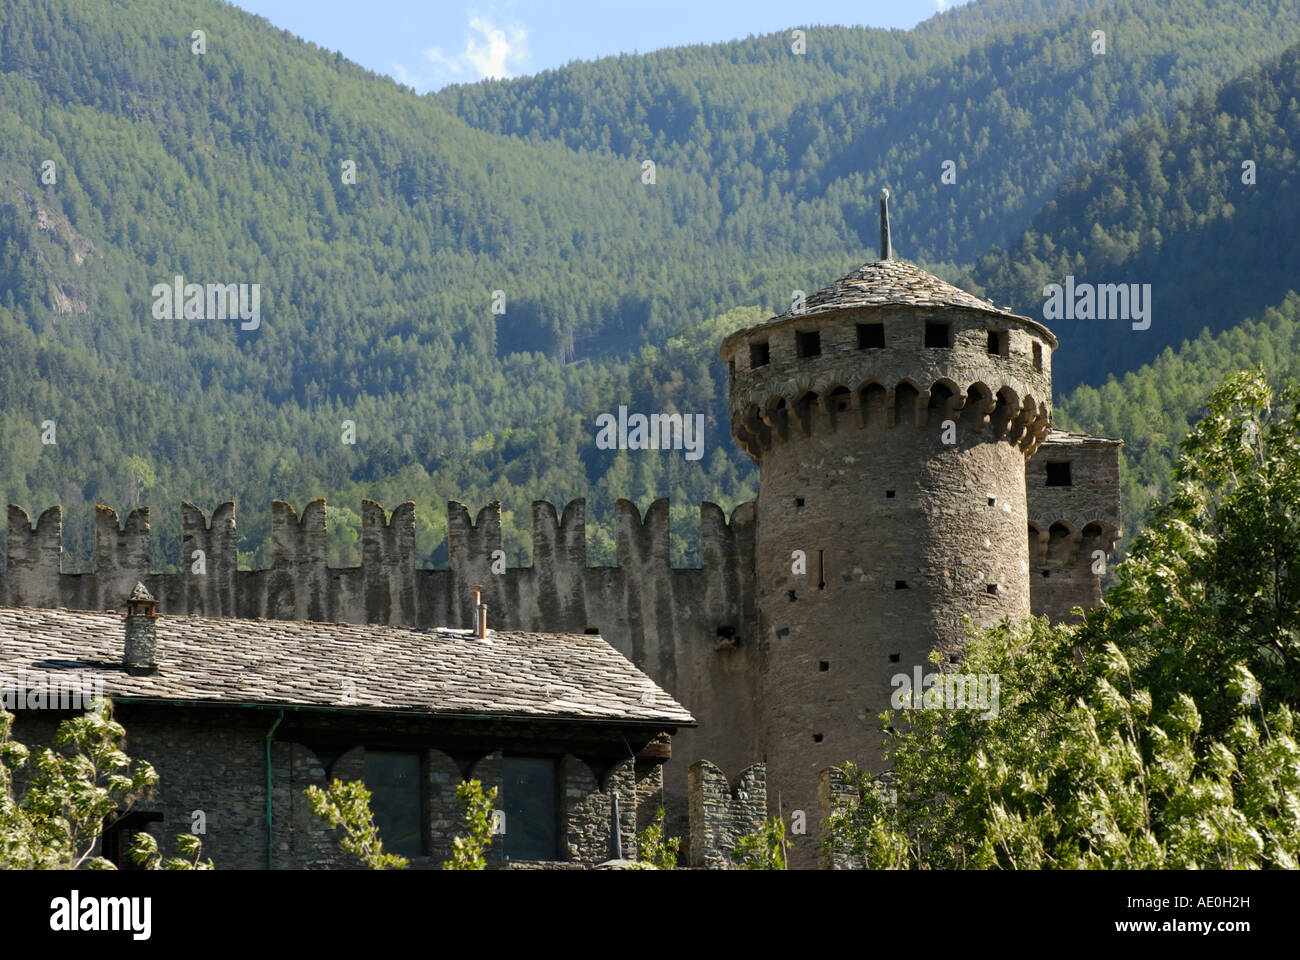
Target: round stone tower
x,y
891,418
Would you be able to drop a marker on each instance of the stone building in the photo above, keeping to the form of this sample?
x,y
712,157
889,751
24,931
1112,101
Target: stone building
x,y
239,717
909,477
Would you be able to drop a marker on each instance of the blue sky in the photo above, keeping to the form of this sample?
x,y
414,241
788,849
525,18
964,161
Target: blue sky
x,y
430,44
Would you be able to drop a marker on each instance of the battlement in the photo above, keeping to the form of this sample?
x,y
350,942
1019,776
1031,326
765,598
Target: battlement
x,y
721,814
300,585
693,630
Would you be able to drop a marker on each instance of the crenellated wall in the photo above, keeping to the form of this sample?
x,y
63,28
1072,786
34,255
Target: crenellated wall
x,y
692,630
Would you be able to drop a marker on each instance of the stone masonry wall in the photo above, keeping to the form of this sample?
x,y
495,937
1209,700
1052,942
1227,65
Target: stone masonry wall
x,y
903,526
213,762
720,815
833,792
1069,525
693,631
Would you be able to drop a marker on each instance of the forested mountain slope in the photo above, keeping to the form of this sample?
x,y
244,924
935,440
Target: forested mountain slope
x,y
1016,111
1169,208
1154,407
972,21
227,166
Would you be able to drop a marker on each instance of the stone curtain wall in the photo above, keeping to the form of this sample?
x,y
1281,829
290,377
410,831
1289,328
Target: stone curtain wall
x,y
558,593
665,620
834,791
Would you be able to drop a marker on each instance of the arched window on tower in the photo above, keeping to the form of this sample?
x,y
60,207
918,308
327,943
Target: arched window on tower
x,y
1060,544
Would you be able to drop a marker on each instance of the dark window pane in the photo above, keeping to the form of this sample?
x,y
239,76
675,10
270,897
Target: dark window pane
x,y
1058,474
120,834
393,780
871,336
529,800
938,335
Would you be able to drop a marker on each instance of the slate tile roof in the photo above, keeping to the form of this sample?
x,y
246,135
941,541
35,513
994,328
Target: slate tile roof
x,y
343,666
890,283
1065,436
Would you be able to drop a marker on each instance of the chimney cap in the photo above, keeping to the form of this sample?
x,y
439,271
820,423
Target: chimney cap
x,y
141,603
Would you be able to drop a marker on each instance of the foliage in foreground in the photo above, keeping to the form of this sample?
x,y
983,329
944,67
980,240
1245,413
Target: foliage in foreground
x,y
764,849
467,852
655,851
57,822
144,851
1160,732
347,805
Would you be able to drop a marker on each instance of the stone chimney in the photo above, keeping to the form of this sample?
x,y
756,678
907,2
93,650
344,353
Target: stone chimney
x,y
141,633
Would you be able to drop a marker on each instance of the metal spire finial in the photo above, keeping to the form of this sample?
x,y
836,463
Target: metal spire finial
x,y
886,248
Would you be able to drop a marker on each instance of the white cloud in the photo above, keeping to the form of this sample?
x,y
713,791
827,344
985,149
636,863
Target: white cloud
x,y
941,5
490,52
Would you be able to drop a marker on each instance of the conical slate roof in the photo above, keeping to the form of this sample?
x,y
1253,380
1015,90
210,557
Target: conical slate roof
x,y
891,283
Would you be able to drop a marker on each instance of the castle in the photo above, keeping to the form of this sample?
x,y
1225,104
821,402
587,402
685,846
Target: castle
x,y
909,478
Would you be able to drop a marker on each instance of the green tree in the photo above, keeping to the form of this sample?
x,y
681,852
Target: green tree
x,y
1160,732
654,850
347,805
57,822
467,851
144,851
764,849
1215,581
